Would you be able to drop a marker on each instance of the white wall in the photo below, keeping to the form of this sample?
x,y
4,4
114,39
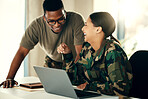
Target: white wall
x,y
69,5
84,7
11,30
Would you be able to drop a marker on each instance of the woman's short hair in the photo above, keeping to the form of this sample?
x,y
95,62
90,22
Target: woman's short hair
x,y
105,20
52,5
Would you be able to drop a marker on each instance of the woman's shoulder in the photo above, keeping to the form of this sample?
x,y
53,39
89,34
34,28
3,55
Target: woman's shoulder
x,y
112,45
114,48
85,48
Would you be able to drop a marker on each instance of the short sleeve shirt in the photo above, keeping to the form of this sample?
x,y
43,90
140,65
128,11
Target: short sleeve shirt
x,y
39,32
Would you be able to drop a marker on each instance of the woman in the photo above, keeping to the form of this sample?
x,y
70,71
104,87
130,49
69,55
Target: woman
x,y
103,65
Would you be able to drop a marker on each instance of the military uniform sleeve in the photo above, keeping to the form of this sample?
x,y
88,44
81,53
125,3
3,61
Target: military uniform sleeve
x,y
120,76
70,67
115,80
73,70
77,28
30,38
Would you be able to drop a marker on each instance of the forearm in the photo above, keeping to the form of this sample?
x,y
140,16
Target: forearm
x,y
68,59
110,87
116,88
106,85
15,66
74,70
19,57
102,88
70,67
78,50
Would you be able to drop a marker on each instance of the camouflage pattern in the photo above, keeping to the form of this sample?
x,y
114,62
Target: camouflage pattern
x,y
106,71
52,64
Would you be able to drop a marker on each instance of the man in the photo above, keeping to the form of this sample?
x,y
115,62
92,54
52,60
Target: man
x,y
50,30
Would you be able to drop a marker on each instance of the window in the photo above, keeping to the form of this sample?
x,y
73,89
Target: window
x,y
132,24
12,29
135,14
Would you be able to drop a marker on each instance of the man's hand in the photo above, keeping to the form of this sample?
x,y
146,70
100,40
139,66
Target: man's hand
x,y
82,86
8,83
63,48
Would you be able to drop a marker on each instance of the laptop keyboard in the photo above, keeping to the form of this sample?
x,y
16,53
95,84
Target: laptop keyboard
x,y
81,93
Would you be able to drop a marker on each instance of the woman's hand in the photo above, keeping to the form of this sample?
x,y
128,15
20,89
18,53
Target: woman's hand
x,y
82,86
63,48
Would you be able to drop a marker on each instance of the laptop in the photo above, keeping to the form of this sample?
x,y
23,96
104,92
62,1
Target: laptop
x,y
56,81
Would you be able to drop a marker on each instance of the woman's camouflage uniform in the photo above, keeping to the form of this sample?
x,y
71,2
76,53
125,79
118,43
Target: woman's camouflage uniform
x,y
106,71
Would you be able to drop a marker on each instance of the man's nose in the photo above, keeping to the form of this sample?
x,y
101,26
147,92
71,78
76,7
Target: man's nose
x,y
57,24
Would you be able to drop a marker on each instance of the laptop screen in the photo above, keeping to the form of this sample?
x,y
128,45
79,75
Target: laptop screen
x,y
56,81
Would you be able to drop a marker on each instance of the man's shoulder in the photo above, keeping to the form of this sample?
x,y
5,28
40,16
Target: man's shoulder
x,y
38,21
74,15
75,19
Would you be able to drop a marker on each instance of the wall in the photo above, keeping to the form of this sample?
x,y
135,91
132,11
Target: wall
x,y
36,56
84,7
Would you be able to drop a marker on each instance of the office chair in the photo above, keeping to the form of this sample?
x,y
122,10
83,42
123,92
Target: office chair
x,y
139,62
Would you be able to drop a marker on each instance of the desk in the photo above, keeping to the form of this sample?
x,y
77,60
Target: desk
x,y
14,93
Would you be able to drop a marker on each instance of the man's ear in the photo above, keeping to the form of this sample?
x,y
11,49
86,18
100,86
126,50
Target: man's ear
x,y
99,29
44,18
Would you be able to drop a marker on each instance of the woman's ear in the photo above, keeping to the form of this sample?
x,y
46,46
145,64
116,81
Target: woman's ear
x,y
99,29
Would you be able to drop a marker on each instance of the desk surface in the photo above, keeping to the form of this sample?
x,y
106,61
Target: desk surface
x,y
15,93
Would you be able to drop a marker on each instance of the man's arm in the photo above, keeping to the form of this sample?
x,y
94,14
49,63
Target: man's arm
x,y
19,57
78,50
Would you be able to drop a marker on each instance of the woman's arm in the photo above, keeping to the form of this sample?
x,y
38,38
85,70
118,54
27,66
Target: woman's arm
x,y
117,78
70,66
78,50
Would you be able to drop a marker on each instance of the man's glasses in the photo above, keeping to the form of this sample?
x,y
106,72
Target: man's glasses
x,y
61,20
